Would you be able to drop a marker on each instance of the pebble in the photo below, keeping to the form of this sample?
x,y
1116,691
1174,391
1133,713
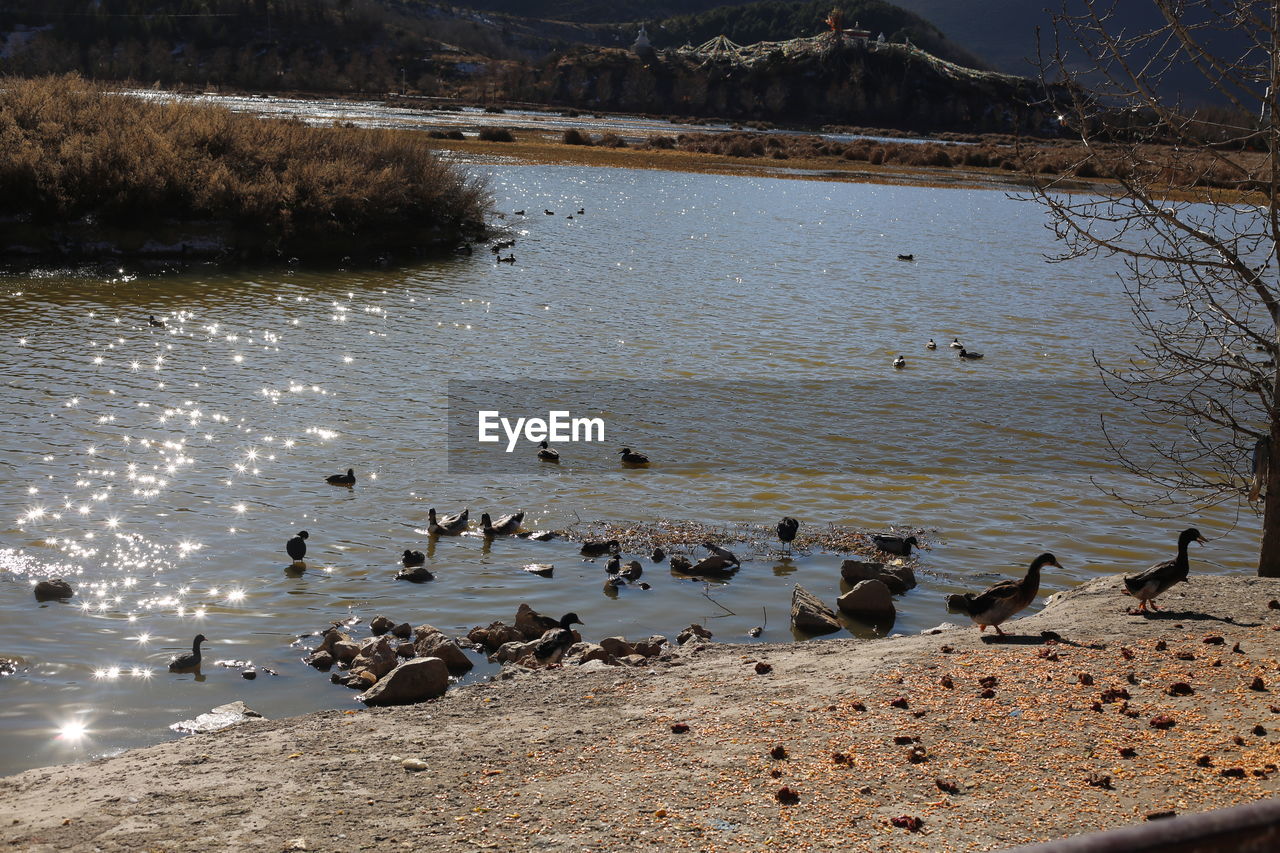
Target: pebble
x,y
414,765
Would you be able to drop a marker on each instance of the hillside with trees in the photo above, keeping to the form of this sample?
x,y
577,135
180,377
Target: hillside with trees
x,y
377,46
779,20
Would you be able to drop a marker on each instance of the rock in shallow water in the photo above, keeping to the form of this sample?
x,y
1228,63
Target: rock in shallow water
x,y
810,615
220,717
869,599
897,576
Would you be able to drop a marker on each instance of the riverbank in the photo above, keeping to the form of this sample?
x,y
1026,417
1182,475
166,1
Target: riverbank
x,y
532,148
1086,718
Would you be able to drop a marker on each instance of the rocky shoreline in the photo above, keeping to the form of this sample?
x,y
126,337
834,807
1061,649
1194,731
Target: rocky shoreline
x,y
1085,718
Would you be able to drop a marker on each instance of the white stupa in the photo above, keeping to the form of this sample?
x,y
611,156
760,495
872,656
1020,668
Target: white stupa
x,y
641,44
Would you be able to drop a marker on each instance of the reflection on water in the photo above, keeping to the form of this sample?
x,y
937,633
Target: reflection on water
x,y
162,470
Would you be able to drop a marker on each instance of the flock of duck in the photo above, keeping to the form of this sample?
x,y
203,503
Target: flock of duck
x,y
964,354
991,607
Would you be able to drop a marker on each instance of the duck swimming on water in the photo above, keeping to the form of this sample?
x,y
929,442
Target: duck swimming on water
x,y
899,362
154,323
413,558
1145,586
931,344
449,525
347,479
504,526
955,344
188,662
999,602
969,356
631,458
546,454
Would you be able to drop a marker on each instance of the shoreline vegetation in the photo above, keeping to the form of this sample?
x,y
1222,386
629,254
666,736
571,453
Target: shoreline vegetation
x,y
91,174
1084,718
86,172
943,160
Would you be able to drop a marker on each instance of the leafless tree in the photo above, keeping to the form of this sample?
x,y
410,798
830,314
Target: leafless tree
x,y
1192,215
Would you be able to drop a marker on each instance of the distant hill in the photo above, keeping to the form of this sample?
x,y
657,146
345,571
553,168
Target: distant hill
x,y
779,20
377,46
675,22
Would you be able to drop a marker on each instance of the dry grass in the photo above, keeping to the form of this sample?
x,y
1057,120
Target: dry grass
x,y
1164,165
73,151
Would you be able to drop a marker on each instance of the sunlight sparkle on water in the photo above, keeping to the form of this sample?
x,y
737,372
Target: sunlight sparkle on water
x,y
73,730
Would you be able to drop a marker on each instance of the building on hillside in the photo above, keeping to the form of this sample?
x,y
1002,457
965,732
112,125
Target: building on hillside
x,y
641,47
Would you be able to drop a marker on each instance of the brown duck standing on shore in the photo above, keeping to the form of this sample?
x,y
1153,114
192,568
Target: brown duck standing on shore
x,y
997,603
1145,586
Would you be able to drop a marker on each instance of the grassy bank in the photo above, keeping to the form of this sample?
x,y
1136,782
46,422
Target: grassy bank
x,y
78,162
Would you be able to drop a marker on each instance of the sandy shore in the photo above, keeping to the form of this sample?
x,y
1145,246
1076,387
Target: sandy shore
x,y
988,744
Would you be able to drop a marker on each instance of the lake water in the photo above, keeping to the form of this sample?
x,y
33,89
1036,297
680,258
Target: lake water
x,y
162,470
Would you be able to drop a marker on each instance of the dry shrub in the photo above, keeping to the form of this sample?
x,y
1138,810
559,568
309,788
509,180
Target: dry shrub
x,y
663,142
496,134
71,150
573,136
611,140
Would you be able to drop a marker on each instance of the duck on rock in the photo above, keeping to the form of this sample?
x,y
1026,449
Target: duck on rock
x,y
556,641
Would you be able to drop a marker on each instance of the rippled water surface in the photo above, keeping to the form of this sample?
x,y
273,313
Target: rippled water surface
x,y
162,470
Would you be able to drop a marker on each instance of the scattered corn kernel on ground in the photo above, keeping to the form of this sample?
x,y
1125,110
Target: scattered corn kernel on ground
x,y
1084,718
